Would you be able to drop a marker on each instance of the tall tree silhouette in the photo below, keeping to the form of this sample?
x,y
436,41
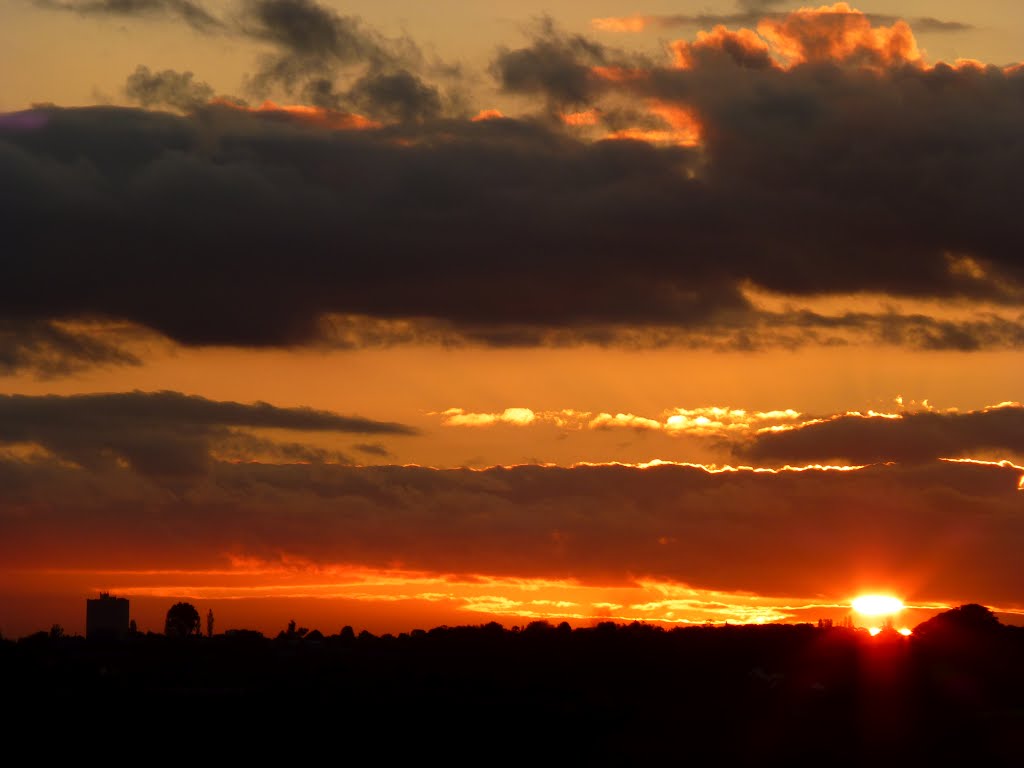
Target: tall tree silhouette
x,y
182,620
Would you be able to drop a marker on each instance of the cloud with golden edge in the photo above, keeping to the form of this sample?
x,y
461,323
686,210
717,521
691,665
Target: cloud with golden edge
x,y
457,417
923,434
705,421
743,45
839,33
835,33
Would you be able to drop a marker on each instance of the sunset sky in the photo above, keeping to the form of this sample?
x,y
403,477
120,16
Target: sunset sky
x,y
401,314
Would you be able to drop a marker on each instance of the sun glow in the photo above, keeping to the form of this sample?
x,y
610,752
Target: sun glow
x,y
877,605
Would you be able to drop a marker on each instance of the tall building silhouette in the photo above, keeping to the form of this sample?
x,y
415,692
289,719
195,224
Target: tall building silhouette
x,y
106,617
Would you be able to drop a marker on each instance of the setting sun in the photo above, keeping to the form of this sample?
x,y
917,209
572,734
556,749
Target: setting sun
x,y
877,605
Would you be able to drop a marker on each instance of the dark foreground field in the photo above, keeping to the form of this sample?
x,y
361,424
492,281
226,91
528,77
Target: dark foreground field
x,y
612,694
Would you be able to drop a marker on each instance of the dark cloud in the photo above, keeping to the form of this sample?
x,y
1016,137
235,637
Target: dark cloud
x,y
48,350
166,435
555,65
830,177
191,13
372,449
941,530
849,159
167,88
799,328
327,59
313,32
242,446
317,48
913,437
400,96
738,330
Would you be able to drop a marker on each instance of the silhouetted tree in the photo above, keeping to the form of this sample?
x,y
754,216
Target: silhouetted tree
x,y
972,618
182,620
536,628
209,623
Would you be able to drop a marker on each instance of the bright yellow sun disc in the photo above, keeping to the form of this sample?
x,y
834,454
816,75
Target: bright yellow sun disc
x,y
877,605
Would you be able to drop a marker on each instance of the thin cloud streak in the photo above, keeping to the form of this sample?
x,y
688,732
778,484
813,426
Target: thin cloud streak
x,y
168,437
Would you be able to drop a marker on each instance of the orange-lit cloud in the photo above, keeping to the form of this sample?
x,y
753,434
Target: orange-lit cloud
x,y
683,127
684,123
743,46
333,587
830,33
318,116
619,74
584,118
487,114
395,600
839,33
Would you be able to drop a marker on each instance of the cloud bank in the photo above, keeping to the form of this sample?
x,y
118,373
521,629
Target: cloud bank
x,y
937,530
633,203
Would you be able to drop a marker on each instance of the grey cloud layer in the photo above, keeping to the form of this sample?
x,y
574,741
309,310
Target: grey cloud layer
x,y
166,435
946,531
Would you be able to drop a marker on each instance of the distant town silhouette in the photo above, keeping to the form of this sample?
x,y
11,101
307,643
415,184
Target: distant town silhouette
x,y
622,693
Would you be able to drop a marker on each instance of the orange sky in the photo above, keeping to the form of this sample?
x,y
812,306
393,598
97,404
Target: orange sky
x,y
713,318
